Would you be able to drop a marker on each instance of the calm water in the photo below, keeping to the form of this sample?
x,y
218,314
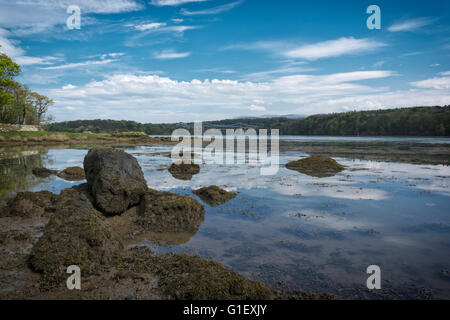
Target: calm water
x,y
294,231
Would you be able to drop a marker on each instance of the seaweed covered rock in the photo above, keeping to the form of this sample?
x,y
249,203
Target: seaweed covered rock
x,y
115,179
29,204
184,171
213,195
72,174
316,166
42,172
194,278
169,212
76,234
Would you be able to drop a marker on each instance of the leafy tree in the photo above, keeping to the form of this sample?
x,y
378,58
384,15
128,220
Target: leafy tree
x,y
8,70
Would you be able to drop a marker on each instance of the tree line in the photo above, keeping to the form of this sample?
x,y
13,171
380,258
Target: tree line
x,y
19,104
416,121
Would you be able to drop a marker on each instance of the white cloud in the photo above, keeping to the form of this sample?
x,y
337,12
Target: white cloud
x,y
333,48
217,70
266,75
410,25
256,108
80,64
378,64
171,54
214,10
151,98
445,73
441,83
172,2
161,27
35,16
11,48
150,26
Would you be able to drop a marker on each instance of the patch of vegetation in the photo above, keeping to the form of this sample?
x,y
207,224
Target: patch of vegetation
x,y
18,104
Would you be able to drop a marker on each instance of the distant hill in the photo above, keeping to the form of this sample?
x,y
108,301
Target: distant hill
x,y
416,121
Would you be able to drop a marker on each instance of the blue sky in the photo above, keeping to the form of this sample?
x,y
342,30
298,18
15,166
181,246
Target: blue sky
x,y
186,60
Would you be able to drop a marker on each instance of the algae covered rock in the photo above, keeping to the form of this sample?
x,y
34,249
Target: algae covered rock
x,y
43,172
115,179
185,277
184,171
194,278
316,166
29,204
72,174
213,195
169,212
76,234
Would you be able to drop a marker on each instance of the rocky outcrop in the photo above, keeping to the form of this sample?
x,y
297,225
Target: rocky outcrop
x,y
76,234
169,212
115,179
72,174
316,166
43,172
213,195
184,171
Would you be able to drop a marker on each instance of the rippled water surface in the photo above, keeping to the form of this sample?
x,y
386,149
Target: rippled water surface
x,y
294,231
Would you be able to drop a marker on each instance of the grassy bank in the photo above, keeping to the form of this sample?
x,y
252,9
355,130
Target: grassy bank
x,y
45,137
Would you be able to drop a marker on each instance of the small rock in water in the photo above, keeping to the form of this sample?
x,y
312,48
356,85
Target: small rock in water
x,y
72,174
316,166
43,172
184,171
213,195
170,212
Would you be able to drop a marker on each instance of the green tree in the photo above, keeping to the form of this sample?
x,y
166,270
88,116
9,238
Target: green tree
x,y
40,105
8,70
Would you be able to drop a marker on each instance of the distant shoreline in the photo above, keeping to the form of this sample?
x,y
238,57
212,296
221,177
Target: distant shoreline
x,y
45,138
409,122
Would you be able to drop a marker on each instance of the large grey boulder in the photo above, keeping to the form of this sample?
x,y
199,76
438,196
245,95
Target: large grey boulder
x,y
115,179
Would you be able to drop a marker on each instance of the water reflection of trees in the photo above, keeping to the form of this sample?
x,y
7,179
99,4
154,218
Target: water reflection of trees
x,y
16,175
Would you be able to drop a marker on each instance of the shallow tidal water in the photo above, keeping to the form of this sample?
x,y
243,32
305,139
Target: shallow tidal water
x,y
293,231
